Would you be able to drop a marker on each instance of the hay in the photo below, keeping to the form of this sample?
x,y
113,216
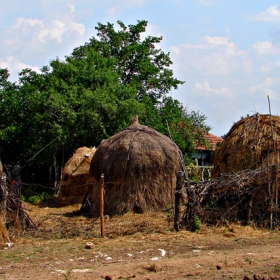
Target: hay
x,y
140,166
245,177
252,142
73,185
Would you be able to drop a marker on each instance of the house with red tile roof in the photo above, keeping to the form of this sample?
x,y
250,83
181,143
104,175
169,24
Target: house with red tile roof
x,y
204,153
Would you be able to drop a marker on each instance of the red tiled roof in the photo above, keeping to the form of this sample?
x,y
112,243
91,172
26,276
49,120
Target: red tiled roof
x,y
213,139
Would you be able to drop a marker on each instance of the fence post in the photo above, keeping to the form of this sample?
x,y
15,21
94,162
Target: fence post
x,y
3,196
102,206
178,200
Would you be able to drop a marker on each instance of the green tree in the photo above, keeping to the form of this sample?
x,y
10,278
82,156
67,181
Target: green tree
x,y
138,62
92,94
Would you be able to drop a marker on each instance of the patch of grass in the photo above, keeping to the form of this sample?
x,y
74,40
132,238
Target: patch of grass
x,y
13,256
68,276
196,223
226,261
276,268
250,261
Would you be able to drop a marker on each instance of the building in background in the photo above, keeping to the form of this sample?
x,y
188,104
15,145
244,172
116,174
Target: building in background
x,y
204,155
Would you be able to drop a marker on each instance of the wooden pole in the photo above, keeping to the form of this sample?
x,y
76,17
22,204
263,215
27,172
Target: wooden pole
x,y
178,200
102,206
274,187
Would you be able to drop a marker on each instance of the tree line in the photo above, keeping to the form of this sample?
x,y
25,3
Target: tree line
x,y
89,96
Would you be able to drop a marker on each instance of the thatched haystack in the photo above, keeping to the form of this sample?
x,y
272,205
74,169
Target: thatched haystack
x,y
252,142
140,166
73,185
250,153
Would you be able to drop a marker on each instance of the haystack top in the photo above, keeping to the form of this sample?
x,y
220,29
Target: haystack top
x,y
251,142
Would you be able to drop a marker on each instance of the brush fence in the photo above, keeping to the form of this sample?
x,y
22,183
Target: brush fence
x,y
245,197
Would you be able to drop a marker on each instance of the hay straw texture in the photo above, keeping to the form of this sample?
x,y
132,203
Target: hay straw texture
x,y
73,186
140,167
252,142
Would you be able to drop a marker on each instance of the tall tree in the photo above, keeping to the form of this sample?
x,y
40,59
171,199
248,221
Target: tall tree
x,y
91,95
138,61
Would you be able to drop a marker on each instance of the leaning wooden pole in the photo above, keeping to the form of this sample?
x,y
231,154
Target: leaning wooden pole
x,y
178,200
102,206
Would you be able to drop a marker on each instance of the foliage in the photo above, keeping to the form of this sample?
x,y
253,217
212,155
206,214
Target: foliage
x,y
196,223
195,173
36,198
89,96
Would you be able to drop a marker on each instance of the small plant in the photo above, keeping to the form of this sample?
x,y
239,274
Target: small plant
x,y
67,275
169,214
196,223
226,261
250,261
277,268
34,199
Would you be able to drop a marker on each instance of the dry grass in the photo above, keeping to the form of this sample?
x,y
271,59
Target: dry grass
x,y
4,237
63,222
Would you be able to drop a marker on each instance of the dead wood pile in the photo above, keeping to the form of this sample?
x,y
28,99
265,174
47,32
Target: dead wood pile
x,y
140,166
13,218
245,197
73,185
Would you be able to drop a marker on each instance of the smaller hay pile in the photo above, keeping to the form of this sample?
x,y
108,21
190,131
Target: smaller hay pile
x,y
140,167
251,142
73,186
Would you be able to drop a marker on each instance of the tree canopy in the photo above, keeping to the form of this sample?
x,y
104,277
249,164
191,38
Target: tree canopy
x,y
92,94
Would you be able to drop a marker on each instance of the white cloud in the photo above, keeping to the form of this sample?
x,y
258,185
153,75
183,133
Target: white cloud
x,y
205,88
213,56
71,7
58,29
271,14
264,88
15,66
43,30
19,22
265,47
211,43
33,41
267,67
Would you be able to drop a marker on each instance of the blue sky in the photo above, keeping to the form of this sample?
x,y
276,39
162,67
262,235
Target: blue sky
x,y
226,51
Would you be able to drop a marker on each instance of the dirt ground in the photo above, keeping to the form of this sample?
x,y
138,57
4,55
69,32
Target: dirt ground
x,y
136,246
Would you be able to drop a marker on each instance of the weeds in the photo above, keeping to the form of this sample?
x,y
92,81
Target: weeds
x,y
68,276
250,261
277,268
196,223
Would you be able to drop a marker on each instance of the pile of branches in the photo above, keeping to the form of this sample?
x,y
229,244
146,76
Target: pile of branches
x,y
246,197
13,218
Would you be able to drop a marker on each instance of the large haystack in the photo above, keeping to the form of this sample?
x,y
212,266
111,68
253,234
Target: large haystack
x,y
73,186
140,166
251,143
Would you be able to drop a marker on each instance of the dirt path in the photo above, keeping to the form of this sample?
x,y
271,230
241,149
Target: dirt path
x,y
224,253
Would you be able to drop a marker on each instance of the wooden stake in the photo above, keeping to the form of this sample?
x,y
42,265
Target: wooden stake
x,y
102,206
178,200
